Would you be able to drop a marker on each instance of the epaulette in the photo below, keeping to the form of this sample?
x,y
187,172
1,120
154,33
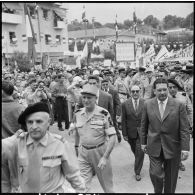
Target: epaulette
x,y
59,137
20,133
184,94
104,112
77,110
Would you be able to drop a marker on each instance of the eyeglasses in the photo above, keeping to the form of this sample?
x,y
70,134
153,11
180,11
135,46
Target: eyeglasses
x,y
135,91
104,84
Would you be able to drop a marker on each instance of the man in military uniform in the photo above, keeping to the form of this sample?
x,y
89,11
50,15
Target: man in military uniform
x,y
95,138
176,91
121,87
38,161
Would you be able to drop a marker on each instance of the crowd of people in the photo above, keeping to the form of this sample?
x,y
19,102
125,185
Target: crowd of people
x,y
97,105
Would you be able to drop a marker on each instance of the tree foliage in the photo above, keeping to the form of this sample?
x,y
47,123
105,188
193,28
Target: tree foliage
x,y
168,22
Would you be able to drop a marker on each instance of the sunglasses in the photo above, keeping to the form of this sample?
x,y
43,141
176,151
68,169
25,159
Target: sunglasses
x,y
135,91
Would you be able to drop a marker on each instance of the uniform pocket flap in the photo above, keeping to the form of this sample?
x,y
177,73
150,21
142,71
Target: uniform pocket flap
x,y
51,162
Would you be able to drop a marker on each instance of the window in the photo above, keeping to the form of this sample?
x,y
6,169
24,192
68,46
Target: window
x,y
12,37
58,39
45,14
47,39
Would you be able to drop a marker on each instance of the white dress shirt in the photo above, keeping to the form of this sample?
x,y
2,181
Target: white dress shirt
x,y
133,101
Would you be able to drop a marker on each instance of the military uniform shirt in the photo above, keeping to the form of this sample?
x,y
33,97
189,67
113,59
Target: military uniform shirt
x,y
93,129
57,162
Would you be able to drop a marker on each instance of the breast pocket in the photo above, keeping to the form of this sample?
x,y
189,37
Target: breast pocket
x,y
50,168
23,167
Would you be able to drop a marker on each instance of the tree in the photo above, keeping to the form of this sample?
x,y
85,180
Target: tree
x,y
151,21
189,21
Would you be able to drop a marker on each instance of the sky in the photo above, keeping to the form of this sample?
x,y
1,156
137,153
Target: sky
x,y
106,12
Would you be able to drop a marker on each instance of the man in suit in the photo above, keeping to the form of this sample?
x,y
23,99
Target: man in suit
x,y
108,88
104,99
164,137
131,120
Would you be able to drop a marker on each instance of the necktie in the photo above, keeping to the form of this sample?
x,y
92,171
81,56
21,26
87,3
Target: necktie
x,y
34,171
135,105
161,109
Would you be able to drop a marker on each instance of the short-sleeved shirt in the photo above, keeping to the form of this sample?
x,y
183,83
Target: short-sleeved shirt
x,y
93,129
57,161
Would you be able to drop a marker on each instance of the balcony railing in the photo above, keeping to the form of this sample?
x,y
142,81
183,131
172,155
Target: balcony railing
x,y
11,18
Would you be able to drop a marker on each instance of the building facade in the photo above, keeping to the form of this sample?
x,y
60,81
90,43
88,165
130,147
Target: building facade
x,y
49,21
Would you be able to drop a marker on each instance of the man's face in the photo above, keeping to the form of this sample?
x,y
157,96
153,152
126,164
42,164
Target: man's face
x,y
33,85
161,91
37,124
122,74
61,79
135,92
172,89
149,74
88,100
105,85
93,82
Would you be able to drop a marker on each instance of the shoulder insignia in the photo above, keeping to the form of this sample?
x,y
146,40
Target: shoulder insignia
x,y
59,137
77,110
104,112
184,94
20,133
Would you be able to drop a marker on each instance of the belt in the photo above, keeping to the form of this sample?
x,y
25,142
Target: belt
x,y
93,147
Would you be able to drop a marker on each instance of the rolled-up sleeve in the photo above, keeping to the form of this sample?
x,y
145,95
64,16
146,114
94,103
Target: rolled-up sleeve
x,y
71,170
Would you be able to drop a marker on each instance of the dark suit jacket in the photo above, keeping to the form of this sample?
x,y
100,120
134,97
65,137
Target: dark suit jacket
x,y
116,101
131,121
170,133
105,101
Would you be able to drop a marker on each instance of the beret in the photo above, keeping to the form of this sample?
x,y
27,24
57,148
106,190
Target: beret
x,y
121,70
37,107
174,82
142,68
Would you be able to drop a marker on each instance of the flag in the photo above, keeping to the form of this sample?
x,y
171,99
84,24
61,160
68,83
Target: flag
x,y
85,51
134,21
116,27
84,19
75,49
163,53
31,35
150,52
96,47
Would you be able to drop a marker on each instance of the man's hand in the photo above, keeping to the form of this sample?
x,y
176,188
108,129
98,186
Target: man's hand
x,y
144,148
102,163
71,129
184,155
125,138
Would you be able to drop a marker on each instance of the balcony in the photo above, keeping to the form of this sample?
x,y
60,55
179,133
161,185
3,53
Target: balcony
x,y
11,18
59,25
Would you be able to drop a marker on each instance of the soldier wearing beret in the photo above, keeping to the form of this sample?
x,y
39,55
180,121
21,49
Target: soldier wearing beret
x,y
95,138
38,161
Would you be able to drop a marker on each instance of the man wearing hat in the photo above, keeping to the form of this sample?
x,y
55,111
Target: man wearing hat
x,y
95,138
36,160
148,83
120,85
188,81
176,91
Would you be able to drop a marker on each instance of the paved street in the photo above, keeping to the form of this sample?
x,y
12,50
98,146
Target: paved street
x,y
122,164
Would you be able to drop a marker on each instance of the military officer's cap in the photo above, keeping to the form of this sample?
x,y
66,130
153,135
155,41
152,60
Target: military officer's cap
x,y
37,107
142,69
121,69
174,82
90,89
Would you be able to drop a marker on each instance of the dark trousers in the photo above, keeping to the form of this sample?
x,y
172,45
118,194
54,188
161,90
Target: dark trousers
x,y
164,173
138,153
62,111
